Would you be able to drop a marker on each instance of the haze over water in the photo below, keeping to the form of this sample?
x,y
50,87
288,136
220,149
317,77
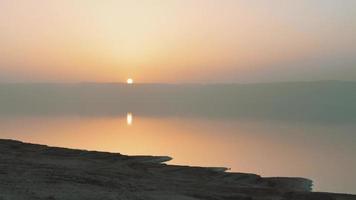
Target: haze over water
x,y
278,129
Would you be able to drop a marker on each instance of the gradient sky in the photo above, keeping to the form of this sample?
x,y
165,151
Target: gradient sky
x,y
177,41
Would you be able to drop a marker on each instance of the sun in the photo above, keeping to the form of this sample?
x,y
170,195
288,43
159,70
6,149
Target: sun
x,y
129,81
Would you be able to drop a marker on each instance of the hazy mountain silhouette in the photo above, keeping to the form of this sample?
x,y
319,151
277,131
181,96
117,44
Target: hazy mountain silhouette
x,y
325,101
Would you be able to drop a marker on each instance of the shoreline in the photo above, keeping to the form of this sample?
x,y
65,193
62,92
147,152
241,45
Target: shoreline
x,y
32,171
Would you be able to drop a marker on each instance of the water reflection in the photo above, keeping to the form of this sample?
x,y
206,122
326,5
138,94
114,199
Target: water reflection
x,y
129,119
324,153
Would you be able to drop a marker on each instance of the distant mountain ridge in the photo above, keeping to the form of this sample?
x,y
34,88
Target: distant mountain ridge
x,y
327,101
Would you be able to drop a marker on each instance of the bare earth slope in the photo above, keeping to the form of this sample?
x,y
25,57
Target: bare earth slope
x,y
29,171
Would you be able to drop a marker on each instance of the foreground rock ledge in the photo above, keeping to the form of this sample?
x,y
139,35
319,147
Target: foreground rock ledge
x,y
30,171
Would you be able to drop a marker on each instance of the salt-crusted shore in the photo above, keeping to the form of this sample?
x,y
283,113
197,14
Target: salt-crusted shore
x,y
30,171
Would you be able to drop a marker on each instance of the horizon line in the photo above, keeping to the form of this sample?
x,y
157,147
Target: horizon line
x,y
165,83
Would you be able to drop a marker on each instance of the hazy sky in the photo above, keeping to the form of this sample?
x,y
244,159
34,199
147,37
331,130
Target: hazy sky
x,y
177,40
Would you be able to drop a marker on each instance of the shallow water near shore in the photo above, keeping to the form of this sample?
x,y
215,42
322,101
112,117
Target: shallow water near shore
x,y
321,152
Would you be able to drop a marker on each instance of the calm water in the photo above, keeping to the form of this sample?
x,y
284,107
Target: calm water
x,y
322,152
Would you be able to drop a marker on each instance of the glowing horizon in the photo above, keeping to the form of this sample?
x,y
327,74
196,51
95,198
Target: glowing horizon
x,y
177,41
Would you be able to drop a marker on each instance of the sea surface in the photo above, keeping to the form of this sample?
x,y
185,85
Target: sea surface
x,y
324,152
295,129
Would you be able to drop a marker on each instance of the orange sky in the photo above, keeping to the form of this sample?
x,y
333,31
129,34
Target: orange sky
x,y
177,40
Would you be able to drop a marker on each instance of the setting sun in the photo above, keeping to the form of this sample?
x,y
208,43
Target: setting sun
x,y
129,81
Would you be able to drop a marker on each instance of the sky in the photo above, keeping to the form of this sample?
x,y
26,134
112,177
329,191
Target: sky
x,y
177,41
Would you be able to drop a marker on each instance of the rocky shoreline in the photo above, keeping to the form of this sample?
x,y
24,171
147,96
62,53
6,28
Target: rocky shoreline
x,y
31,171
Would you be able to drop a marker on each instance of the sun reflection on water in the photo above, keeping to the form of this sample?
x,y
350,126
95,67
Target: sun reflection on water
x,y
129,119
